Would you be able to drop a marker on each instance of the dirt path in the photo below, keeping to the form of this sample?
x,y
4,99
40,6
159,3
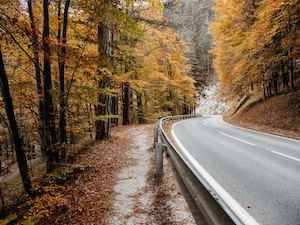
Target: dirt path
x,y
118,186
140,198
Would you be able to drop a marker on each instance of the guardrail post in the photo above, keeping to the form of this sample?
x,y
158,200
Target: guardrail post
x,y
159,159
155,136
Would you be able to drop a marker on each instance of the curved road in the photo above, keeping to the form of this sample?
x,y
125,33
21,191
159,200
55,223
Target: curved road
x,y
261,172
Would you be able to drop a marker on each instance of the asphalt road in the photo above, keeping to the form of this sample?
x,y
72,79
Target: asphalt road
x,y
261,172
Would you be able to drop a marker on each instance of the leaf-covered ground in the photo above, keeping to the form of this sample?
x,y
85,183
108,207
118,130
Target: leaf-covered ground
x,y
118,186
278,115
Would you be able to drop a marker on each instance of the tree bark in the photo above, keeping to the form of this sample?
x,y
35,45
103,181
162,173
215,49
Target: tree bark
x,y
115,109
285,78
140,108
103,126
274,83
62,100
126,103
103,109
1,154
49,116
21,158
292,74
185,107
39,88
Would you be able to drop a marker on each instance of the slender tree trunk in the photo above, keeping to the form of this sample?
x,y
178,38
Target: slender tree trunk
x,y
39,88
49,116
269,85
292,74
291,64
169,99
1,154
264,89
274,83
59,21
21,158
62,100
115,109
140,108
285,76
126,103
185,107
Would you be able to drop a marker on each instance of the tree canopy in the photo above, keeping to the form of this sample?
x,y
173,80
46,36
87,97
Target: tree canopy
x,y
256,44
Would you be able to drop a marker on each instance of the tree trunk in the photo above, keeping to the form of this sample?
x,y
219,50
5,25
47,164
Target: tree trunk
x,y
103,109
49,116
140,108
292,75
274,83
269,85
187,109
1,154
62,100
103,125
264,88
291,64
126,103
115,109
285,78
39,88
21,158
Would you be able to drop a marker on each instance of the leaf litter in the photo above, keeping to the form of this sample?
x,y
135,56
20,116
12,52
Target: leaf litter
x,y
119,186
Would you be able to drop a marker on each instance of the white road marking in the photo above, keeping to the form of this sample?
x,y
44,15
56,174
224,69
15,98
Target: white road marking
x,y
287,156
204,124
232,204
249,143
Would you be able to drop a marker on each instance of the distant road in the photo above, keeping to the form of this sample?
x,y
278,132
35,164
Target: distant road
x,y
261,172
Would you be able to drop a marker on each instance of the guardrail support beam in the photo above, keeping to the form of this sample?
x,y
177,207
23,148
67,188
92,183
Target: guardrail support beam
x,y
155,136
159,150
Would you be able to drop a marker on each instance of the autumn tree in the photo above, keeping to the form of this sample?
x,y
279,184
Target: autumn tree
x,y
33,35
9,107
167,88
62,97
254,46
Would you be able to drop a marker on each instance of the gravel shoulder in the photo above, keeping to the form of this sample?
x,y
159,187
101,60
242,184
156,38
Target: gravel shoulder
x,y
120,185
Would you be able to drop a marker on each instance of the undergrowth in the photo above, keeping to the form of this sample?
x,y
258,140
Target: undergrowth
x,y
47,199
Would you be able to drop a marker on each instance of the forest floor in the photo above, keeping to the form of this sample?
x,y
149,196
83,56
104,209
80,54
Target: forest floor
x,y
277,115
119,186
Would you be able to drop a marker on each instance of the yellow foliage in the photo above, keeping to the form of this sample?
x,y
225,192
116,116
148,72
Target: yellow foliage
x,y
48,199
253,40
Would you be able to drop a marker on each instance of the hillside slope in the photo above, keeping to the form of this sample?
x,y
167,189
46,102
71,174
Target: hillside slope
x,y
278,115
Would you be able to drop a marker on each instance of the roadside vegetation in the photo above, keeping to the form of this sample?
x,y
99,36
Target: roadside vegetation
x,y
256,47
256,58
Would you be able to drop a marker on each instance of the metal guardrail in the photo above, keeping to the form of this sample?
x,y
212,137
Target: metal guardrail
x,y
207,205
